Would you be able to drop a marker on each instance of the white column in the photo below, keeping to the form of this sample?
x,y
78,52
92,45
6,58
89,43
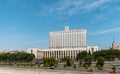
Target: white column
x,y
75,53
44,54
58,54
49,54
65,53
62,54
70,53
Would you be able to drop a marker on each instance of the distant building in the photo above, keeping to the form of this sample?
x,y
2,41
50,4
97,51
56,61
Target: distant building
x,y
37,52
12,51
92,49
115,46
64,43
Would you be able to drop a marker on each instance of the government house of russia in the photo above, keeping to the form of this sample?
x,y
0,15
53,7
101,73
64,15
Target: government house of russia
x,y
64,43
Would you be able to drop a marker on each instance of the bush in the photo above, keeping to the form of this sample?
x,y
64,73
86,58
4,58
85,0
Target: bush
x,y
99,67
69,63
114,68
80,63
18,65
50,62
10,64
38,65
31,65
86,66
74,66
64,65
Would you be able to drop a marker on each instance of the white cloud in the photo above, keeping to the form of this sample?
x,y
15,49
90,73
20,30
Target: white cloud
x,y
100,16
104,7
105,31
118,8
96,4
72,7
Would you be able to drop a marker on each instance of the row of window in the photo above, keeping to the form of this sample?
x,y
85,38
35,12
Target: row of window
x,y
67,40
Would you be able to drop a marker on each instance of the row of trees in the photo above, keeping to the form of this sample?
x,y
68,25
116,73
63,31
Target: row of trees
x,y
109,55
53,62
16,57
99,56
85,59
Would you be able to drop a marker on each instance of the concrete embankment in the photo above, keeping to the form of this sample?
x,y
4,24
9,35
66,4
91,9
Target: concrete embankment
x,y
10,70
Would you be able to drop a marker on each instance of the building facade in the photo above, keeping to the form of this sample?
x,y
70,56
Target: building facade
x,y
56,53
64,43
68,39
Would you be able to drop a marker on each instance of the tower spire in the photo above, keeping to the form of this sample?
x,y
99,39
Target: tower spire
x,y
114,45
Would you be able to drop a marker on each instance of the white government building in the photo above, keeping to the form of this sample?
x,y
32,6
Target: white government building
x,y
64,43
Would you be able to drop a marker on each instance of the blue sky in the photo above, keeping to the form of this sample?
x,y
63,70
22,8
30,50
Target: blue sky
x,y
27,23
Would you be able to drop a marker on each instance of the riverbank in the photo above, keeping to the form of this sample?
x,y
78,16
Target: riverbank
x,y
18,70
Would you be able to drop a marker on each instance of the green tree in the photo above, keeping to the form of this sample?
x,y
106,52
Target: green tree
x,y
84,57
69,61
50,62
89,52
81,56
88,60
100,62
46,60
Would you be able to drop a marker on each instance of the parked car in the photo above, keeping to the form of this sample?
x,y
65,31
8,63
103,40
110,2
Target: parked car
x,y
39,62
51,67
118,68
